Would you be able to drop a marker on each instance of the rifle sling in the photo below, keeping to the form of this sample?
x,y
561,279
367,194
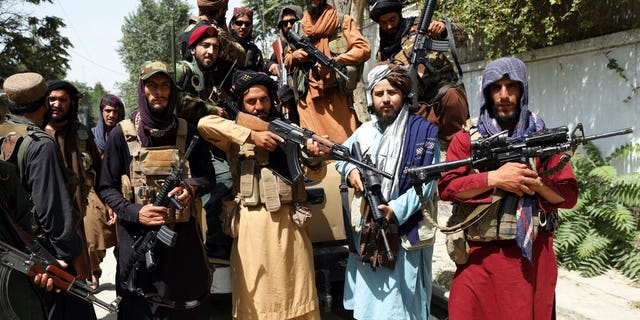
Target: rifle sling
x,y
29,241
452,44
476,215
346,217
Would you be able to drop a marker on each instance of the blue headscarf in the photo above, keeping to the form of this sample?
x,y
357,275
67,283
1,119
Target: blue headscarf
x,y
100,131
515,70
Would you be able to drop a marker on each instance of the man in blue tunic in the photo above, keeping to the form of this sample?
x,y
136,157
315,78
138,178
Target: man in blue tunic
x,y
395,140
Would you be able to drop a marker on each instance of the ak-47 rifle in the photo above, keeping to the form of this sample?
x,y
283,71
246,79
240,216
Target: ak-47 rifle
x,y
374,218
295,136
33,264
143,247
302,42
494,151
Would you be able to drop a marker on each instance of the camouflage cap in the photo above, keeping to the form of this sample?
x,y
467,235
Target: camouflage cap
x,y
25,88
150,68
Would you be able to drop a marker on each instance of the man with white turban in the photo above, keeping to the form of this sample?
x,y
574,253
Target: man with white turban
x,y
395,140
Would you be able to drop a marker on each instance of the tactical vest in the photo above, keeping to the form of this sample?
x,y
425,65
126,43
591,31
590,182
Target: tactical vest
x,y
259,185
498,220
150,166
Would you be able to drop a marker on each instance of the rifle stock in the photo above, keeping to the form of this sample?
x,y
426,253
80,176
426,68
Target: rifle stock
x,y
33,264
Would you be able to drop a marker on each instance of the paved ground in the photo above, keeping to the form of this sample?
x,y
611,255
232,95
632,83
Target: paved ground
x,y
605,297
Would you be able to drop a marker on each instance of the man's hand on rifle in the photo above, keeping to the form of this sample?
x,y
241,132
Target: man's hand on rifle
x,y
436,29
183,194
43,280
151,215
264,139
313,149
300,56
513,177
388,211
356,180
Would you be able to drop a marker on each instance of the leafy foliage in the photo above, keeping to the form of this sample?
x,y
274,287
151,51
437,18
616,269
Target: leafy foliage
x,y
601,231
265,16
148,34
505,27
31,44
88,106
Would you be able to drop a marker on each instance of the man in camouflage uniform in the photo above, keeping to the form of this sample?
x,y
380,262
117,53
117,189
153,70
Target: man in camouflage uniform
x,y
442,101
231,54
41,171
196,84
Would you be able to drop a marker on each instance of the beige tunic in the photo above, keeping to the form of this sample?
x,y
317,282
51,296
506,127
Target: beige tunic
x,y
272,273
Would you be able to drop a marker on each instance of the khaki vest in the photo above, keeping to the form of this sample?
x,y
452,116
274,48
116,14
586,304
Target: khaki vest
x,y
259,185
150,166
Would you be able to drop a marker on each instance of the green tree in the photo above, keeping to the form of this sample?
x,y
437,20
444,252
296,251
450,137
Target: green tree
x,y
265,17
601,231
147,35
29,43
504,27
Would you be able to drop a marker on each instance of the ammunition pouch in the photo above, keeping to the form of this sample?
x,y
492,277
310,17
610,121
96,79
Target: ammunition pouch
x,y
150,167
259,185
482,223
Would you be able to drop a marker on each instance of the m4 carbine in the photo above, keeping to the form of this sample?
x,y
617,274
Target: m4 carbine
x,y
492,152
143,247
374,218
301,42
32,264
295,136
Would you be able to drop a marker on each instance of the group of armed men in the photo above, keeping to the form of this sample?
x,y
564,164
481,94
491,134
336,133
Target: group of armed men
x,y
76,189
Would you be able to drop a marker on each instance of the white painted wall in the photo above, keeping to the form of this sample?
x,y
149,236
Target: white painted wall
x,y
571,83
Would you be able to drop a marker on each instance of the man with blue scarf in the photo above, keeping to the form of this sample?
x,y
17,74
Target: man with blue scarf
x,y
508,270
395,140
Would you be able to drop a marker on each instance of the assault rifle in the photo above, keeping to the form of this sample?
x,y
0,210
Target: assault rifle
x,y
143,247
374,217
32,264
301,42
494,151
295,136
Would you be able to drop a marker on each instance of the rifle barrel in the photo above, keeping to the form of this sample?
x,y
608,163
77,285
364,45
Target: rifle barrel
x,y
608,134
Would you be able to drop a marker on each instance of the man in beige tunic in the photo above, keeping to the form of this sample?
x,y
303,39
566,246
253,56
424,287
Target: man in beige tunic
x,y
272,273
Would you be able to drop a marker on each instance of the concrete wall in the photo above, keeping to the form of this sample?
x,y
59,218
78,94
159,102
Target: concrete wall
x,y
573,83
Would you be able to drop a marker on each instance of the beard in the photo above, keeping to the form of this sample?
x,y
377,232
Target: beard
x,y
47,117
315,11
54,119
507,119
386,119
